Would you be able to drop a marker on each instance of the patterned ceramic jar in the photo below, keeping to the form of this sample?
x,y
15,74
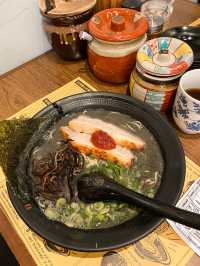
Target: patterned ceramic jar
x,y
186,110
117,35
157,92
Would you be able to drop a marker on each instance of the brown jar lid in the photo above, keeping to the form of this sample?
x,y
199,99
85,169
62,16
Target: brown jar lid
x,y
66,8
118,24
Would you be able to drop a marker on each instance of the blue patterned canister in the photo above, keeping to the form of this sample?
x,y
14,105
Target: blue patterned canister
x,y
186,109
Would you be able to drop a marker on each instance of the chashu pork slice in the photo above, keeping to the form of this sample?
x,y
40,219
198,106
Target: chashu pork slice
x,y
86,124
81,141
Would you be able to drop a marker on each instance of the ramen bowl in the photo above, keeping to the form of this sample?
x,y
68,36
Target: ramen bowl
x,y
132,230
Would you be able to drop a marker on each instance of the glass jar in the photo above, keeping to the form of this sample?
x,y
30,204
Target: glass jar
x,y
157,13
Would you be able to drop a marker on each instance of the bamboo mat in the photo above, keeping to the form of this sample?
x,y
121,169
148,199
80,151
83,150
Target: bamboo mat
x,y
162,247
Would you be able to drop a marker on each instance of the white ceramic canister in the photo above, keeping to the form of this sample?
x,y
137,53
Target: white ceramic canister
x,y
118,58
117,34
159,94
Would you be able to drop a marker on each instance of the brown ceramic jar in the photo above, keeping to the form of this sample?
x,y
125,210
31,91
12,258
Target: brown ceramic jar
x,y
117,35
64,23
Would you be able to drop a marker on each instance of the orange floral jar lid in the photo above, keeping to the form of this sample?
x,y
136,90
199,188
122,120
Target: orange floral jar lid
x,y
118,24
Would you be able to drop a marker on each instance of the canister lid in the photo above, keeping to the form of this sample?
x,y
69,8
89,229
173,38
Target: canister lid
x,y
57,8
165,57
118,24
156,79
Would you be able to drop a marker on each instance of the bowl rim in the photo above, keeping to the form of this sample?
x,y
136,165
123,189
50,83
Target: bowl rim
x,y
131,231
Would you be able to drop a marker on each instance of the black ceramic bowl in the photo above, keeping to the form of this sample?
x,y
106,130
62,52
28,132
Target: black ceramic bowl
x,y
138,227
184,33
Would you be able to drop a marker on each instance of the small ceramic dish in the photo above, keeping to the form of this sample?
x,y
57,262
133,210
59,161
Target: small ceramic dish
x,y
155,78
165,57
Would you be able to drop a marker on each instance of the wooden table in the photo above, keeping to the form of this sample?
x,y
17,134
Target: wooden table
x,y
46,73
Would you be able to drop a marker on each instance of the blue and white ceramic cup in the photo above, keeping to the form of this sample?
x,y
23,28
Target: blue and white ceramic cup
x,y
186,109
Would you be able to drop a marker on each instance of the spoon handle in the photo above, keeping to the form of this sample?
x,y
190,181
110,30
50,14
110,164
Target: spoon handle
x,y
162,209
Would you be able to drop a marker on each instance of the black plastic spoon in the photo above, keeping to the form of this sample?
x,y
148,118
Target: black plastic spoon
x,y
97,187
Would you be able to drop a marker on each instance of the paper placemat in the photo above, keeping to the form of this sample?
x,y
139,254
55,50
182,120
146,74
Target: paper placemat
x,y
196,22
76,86
162,247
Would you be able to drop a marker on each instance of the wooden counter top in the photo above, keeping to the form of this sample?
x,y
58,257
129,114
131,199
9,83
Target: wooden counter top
x,y
46,73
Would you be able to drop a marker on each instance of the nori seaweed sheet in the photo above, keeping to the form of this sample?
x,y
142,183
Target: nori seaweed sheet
x,y
18,137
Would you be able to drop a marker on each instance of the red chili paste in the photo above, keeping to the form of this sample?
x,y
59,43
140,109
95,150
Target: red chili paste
x,y
102,140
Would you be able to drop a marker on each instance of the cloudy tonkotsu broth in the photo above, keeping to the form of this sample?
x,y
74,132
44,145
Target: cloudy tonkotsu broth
x,y
143,177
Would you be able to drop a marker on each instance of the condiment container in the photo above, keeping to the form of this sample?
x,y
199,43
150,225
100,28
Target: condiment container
x,y
117,35
158,92
64,22
157,13
160,63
